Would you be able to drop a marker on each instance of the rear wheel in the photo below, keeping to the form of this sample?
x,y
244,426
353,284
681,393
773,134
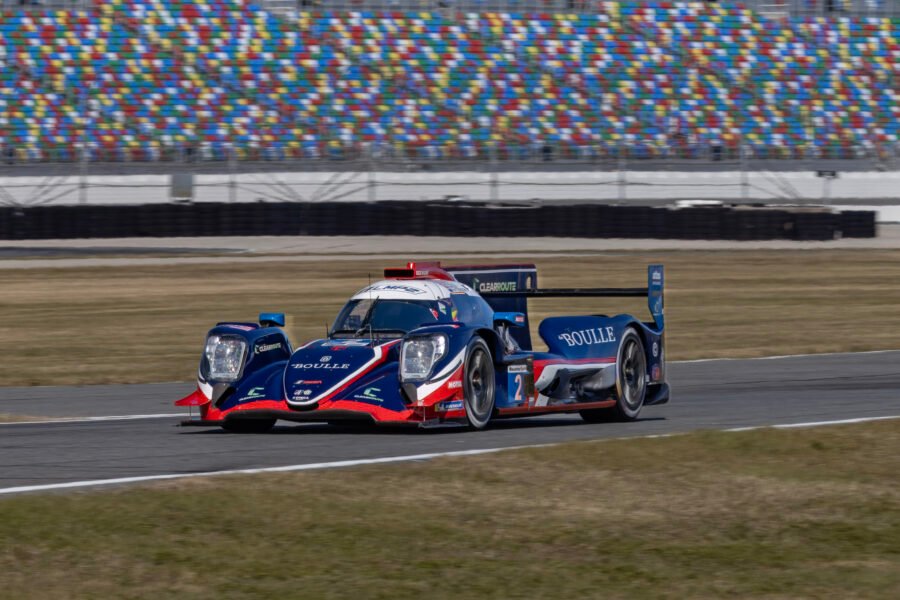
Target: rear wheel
x,y
248,425
479,384
631,382
631,376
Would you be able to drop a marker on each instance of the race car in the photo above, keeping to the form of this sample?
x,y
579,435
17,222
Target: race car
x,y
431,345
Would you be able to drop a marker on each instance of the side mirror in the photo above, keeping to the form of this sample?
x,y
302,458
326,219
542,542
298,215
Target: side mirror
x,y
271,319
513,319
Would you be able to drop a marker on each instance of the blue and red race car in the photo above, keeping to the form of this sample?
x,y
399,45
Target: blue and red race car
x,y
432,345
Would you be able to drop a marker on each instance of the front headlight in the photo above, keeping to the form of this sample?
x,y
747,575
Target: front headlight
x,y
225,355
419,355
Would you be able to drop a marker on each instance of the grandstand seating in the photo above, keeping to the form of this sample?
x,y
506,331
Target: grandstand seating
x,y
143,79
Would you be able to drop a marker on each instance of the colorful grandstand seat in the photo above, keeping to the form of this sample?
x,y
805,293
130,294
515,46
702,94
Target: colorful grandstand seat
x,y
149,79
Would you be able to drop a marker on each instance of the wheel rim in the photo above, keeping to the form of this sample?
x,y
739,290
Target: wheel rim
x,y
480,384
633,371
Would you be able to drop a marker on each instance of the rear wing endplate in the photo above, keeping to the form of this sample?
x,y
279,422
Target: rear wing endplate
x,y
654,293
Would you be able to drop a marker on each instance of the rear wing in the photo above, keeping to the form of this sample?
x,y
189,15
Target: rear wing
x,y
654,293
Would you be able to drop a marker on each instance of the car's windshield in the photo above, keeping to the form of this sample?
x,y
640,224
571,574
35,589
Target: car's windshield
x,y
389,317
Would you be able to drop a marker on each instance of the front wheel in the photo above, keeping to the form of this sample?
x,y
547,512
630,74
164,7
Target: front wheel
x,y
248,425
479,384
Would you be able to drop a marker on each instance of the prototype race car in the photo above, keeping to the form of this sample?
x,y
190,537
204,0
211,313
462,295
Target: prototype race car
x,y
432,345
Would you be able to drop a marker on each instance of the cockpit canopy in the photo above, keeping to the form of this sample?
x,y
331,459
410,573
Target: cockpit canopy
x,y
394,308
390,316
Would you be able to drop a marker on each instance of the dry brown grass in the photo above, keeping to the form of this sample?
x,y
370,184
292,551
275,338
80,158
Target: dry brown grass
x,y
5,418
775,514
141,324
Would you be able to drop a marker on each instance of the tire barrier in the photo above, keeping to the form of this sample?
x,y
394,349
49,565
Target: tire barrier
x,y
455,219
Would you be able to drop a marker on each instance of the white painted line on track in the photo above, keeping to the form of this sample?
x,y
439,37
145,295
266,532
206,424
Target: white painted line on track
x,y
813,423
393,459
778,357
284,469
53,420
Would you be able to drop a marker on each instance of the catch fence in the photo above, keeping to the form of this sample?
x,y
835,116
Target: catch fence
x,y
633,174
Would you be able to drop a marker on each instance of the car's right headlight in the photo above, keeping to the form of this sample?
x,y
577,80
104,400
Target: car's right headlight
x,y
419,354
225,355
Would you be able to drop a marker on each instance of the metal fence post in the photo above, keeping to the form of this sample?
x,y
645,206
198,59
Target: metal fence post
x,y
372,182
232,168
745,176
495,183
82,176
623,183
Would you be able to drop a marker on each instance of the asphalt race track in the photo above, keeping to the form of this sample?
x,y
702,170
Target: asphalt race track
x,y
717,394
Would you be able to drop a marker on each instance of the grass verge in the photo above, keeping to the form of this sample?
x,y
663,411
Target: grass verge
x,y
146,324
7,418
775,514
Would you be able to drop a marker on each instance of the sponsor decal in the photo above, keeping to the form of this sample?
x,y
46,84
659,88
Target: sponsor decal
x,y
302,393
588,337
454,385
443,308
655,349
370,393
254,394
654,373
455,287
454,314
325,359
320,365
434,313
241,327
266,348
496,286
396,287
517,369
657,276
341,344
308,382
520,318
450,405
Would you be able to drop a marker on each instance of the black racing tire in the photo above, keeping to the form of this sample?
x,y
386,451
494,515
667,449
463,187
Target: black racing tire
x,y
479,384
631,376
248,425
631,382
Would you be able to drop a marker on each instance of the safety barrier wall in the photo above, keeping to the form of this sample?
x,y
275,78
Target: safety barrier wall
x,y
431,219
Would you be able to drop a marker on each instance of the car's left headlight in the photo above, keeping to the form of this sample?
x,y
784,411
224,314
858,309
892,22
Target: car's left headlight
x,y
225,355
419,354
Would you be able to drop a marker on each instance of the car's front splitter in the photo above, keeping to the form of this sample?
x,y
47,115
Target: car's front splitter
x,y
331,410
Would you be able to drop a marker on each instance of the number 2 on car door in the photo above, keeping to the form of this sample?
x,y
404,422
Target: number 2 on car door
x,y
516,387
